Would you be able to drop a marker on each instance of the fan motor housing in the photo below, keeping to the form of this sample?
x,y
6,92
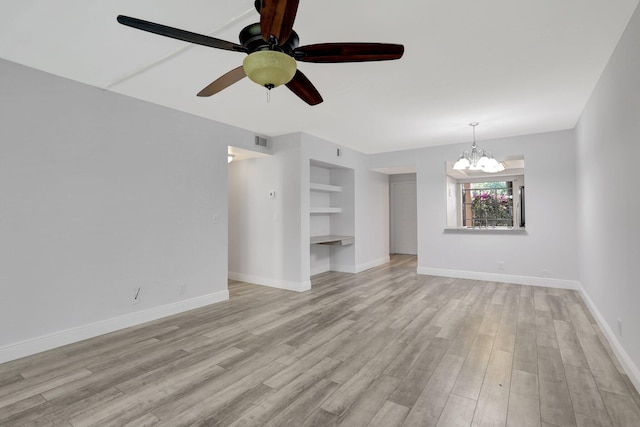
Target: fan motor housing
x,y
251,38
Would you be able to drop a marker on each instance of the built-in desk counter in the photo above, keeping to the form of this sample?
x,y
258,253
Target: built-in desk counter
x,y
332,240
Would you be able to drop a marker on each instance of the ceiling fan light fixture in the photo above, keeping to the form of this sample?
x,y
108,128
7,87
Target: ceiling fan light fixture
x,y
269,68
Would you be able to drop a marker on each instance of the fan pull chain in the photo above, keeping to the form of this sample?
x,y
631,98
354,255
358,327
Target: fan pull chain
x,y
269,86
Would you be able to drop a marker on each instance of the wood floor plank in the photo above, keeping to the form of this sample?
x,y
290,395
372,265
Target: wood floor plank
x,y
365,407
491,320
431,402
466,336
541,299
231,400
506,334
21,406
303,405
493,400
545,330
271,407
171,368
469,381
320,418
229,383
555,402
233,409
384,347
339,401
390,415
44,386
63,408
146,420
416,379
526,309
585,396
525,357
622,409
558,308
570,348
524,400
458,412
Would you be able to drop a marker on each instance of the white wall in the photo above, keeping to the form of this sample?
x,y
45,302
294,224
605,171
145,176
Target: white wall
x,y
371,200
608,147
454,203
276,253
545,255
264,233
102,194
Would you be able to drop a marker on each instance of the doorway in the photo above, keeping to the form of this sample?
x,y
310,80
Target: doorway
x,y
403,214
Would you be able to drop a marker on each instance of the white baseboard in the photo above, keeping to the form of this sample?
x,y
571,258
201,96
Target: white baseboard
x,y
273,283
68,336
361,267
630,368
502,278
342,268
372,264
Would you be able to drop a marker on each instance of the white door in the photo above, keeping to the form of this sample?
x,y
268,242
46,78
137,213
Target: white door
x,y
404,218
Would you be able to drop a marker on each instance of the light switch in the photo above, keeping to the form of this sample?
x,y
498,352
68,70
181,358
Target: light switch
x,y
272,194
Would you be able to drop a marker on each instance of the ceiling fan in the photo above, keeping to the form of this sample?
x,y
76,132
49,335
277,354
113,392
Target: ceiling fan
x,y
272,49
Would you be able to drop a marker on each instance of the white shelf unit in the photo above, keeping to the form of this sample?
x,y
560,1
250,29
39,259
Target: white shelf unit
x,y
332,240
324,210
332,219
316,186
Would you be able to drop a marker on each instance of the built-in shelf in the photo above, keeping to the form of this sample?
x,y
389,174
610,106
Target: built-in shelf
x,y
325,187
332,240
324,210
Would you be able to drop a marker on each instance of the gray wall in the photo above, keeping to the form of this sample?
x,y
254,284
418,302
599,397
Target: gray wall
x,y
264,233
608,147
545,255
102,194
269,238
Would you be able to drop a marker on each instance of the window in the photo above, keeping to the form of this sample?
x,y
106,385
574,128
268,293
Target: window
x,y
487,204
479,200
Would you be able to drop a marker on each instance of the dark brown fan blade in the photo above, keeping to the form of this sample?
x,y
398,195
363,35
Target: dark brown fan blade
x,y
276,19
175,33
223,82
348,52
301,86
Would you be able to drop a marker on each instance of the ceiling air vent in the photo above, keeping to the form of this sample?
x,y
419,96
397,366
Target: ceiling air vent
x,y
261,142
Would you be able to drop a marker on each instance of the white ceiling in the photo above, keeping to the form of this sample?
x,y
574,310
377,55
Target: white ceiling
x,y
516,66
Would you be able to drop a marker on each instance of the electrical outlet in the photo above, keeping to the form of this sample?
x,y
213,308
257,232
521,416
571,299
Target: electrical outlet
x,y
182,289
272,194
500,265
136,295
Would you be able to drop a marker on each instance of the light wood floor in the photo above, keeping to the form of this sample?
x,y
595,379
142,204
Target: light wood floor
x,y
382,348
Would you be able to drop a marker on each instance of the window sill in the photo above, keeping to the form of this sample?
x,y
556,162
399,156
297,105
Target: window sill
x,y
496,230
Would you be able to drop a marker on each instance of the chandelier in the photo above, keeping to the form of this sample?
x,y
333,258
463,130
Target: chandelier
x,y
478,159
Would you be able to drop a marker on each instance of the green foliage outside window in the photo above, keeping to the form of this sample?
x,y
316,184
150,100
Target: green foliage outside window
x,y
491,204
